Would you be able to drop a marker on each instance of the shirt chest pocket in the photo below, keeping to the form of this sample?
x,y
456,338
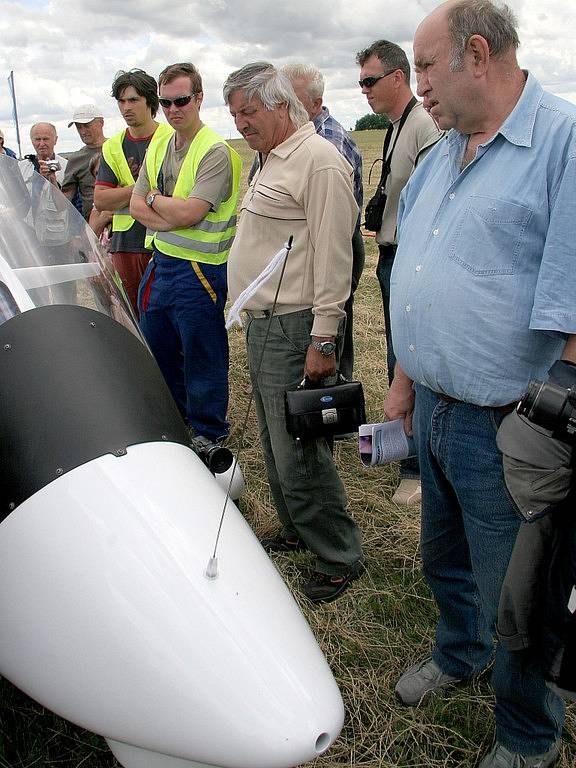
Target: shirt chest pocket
x,y
273,204
488,236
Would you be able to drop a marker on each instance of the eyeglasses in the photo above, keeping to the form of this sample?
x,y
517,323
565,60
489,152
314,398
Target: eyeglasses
x,y
179,101
371,80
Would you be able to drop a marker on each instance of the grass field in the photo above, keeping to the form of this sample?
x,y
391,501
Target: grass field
x,y
380,626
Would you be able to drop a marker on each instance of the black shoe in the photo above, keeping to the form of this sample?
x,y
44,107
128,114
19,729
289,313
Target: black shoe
x,y
323,588
346,436
282,545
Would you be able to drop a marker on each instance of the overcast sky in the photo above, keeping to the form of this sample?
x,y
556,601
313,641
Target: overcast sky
x,y
66,52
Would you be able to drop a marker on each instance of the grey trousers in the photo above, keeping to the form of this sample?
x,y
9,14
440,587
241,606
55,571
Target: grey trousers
x,y
306,488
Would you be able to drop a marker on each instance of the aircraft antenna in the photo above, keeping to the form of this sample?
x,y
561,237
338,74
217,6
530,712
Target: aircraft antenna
x,y
211,571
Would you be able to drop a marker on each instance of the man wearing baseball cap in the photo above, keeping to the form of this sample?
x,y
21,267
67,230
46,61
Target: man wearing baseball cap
x,y
89,123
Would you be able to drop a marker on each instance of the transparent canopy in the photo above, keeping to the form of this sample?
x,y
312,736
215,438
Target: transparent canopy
x,y
49,254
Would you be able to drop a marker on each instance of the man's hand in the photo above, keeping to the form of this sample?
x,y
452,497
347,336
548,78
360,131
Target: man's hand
x,y
46,172
317,366
399,402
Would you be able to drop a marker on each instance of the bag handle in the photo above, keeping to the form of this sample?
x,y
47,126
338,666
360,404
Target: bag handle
x,y
340,379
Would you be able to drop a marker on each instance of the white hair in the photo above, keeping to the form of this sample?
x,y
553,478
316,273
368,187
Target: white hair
x,y
312,76
272,87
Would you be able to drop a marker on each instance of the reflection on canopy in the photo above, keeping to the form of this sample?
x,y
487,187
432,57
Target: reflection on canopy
x,y
48,253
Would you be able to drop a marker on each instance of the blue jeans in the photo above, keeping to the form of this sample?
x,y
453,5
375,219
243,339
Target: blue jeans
x,y
409,469
181,305
469,526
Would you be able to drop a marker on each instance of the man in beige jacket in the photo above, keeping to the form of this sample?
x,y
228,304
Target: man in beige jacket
x,y
303,189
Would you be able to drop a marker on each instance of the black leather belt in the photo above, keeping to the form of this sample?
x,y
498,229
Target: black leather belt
x,y
505,409
258,314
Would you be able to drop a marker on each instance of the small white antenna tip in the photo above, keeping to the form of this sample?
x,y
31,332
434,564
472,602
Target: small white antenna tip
x,y
211,571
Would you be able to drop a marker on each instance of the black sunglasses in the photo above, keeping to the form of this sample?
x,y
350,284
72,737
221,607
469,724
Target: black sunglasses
x,y
371,80
179,101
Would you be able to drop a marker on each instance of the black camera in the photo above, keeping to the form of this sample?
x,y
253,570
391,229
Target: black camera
x,y
217,458
551,406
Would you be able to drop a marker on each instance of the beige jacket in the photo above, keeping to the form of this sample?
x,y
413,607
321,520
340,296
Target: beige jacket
x,y
304,189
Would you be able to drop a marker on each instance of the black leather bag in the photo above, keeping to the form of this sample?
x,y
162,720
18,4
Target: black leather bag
x,y
325,411
375,209
375,206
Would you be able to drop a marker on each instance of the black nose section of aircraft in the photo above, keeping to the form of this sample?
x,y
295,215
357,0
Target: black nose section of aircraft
x,y
74,385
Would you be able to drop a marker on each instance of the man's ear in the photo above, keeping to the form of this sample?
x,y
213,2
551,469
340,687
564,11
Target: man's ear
x,y
478,52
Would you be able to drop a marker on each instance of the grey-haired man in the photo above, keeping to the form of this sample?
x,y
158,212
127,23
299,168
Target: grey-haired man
x,y
303,189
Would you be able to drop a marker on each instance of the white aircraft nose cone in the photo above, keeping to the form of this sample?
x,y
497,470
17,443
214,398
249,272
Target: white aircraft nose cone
x,y
109,620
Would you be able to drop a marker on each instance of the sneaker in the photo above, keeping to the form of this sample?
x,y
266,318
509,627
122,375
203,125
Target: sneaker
x,y
500,757
409,493
281,544
419,682
323,588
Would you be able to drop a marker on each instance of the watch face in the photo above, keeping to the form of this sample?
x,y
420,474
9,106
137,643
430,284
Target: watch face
x,y
150,199
327,348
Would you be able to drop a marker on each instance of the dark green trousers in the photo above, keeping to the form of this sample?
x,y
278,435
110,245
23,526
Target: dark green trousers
x,y
306,487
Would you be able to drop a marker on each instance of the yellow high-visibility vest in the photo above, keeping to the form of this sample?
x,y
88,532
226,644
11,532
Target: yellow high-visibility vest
x,y
209,240
116,160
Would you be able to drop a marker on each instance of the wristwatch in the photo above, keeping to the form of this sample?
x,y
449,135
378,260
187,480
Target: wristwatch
x,y
326,348
150,197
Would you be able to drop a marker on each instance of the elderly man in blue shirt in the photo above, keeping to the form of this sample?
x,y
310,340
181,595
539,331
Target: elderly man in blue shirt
x,y
483,300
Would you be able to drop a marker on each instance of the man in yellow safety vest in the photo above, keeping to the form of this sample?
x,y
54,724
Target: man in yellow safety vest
x,y
186,196
122,155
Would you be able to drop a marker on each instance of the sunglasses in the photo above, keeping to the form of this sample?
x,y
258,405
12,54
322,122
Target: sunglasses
x,y
179,101
371,80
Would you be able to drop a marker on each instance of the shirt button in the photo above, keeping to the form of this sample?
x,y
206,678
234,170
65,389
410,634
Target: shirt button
x,y
423,383
451,195
435,232
419,267
411,347
408,307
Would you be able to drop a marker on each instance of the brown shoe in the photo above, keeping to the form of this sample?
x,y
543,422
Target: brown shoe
x,y
323,588
280,545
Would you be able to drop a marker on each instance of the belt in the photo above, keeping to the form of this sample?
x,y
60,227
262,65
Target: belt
x,y
258,314
505,409
283,309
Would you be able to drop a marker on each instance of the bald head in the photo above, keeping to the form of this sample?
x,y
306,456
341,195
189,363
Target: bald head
x,y
462,19
466,68
43,137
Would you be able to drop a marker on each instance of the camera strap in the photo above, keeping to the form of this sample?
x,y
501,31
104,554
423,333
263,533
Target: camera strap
x,y
386,158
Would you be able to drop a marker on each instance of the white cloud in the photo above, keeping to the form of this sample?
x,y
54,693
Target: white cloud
x,y
65,52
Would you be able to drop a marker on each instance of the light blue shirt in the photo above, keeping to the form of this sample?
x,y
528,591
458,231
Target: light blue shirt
x,y
484,281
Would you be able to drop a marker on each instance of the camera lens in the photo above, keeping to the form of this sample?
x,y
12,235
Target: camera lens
x,y
219,459
543,404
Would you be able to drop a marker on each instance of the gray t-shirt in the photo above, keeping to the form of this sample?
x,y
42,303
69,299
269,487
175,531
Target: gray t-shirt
x,y
419,131
131,240
213,178
79,178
